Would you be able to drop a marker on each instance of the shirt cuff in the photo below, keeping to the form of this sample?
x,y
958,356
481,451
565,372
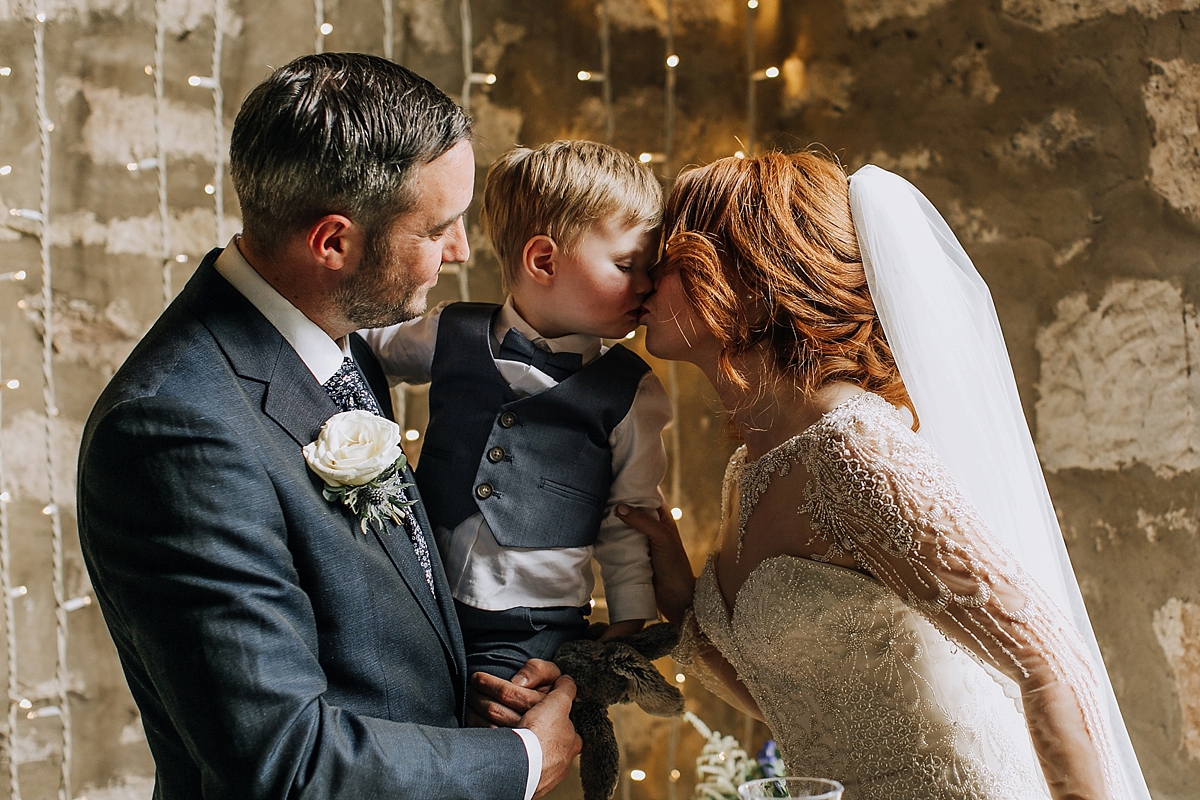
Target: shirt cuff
x,y
631,601
533,749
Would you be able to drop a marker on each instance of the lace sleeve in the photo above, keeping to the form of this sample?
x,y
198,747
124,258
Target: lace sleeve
x,y
705,661
880,494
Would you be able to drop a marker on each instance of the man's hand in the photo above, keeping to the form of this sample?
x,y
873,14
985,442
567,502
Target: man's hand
x,y
493,701
549,720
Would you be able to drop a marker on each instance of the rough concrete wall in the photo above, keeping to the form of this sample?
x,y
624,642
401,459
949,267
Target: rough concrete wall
x,y
1058,138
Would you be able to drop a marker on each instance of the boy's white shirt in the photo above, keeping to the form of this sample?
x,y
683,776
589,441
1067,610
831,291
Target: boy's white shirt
x,y
485,575
323,356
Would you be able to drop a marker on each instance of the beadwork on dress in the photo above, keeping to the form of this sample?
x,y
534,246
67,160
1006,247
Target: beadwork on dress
x,y
901,682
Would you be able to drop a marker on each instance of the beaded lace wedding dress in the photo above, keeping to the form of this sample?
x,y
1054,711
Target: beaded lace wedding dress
x,y
891,677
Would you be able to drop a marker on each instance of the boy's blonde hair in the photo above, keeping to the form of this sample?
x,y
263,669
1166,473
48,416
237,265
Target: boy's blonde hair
x,y
561,189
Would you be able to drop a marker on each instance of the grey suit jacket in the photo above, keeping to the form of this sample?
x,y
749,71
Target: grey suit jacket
x,y
273,649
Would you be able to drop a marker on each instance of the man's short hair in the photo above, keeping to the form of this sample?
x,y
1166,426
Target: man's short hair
x,y
336,133
561,189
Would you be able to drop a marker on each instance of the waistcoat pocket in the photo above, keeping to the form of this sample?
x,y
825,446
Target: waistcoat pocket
x,y
569,492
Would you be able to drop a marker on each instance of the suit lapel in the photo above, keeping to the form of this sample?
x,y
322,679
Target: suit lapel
x,y
445,598
396,540
300,406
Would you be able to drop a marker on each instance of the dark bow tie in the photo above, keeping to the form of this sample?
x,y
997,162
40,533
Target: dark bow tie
x,y
559,366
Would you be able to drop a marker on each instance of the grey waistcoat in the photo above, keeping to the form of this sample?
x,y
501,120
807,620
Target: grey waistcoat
x,y
539,468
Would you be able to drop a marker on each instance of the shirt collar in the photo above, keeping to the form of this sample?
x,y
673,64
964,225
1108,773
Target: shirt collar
x,y
585,344
322,355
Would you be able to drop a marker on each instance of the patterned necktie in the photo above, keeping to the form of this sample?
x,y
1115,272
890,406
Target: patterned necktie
x,y
559,366
348,389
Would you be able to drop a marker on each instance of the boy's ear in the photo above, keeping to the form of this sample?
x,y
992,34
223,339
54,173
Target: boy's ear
x,y
539,259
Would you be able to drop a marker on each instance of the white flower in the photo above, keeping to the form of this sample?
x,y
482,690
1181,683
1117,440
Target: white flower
x,y
354,448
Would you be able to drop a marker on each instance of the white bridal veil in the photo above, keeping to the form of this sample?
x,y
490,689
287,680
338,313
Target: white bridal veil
x,y
938,316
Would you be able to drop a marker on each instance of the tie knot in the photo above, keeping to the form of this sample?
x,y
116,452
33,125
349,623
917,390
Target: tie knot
x,y
348,389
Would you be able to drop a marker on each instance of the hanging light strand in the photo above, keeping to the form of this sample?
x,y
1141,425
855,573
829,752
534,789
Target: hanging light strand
x,y
606,68
218,121
470,77
389,29
10,633
468,37
673,439
672,63
164,234
319,11
49,397
751,83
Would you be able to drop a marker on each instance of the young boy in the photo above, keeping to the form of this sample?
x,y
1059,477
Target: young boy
x,y
536,430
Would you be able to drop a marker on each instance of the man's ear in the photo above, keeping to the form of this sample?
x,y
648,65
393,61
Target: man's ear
x,y
539,259
334,241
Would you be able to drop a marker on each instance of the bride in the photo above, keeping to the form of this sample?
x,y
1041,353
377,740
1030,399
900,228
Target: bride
x,y
890,592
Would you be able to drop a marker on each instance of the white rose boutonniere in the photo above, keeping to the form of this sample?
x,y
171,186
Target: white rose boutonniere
x,y
358,456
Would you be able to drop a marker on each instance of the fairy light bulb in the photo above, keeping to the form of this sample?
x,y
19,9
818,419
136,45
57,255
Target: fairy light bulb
x,y
672,61
326,29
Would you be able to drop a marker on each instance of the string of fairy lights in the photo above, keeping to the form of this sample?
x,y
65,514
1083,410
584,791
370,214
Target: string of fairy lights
x,y
37,223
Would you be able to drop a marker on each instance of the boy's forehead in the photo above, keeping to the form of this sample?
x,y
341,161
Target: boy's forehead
x,y
619,227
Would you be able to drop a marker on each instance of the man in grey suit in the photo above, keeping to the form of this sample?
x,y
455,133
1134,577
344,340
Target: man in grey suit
x,y
275,650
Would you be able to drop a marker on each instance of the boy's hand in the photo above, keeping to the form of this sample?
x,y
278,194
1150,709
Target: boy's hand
x,y
674,583
495,702
624,628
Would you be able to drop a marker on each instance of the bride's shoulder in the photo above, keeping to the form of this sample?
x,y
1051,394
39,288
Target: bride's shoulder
x,y
862,422
863,411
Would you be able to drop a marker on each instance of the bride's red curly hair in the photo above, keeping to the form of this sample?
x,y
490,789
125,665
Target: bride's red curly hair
x,y
767,255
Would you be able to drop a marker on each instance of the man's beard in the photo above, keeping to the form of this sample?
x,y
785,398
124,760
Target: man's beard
x,y
376,296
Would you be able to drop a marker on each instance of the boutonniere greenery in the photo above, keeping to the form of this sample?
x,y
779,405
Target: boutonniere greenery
x,y
358,456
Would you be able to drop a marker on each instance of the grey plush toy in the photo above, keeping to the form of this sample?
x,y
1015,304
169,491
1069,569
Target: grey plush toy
x,y
616,671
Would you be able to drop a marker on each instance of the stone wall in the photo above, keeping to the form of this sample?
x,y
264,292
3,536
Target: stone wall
x,y
1059,139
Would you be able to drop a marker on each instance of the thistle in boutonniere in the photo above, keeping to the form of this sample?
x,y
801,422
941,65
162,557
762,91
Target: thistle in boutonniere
x,y
358,456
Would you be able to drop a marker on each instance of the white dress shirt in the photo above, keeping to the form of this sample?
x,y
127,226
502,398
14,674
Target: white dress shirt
x,y
323,357
484,574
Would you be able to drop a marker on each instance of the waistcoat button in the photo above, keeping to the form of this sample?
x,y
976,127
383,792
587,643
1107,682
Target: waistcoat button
x,y
483,491
495,455
508,419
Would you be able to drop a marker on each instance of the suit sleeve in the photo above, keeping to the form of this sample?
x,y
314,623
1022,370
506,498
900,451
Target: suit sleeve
x,y
186,540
